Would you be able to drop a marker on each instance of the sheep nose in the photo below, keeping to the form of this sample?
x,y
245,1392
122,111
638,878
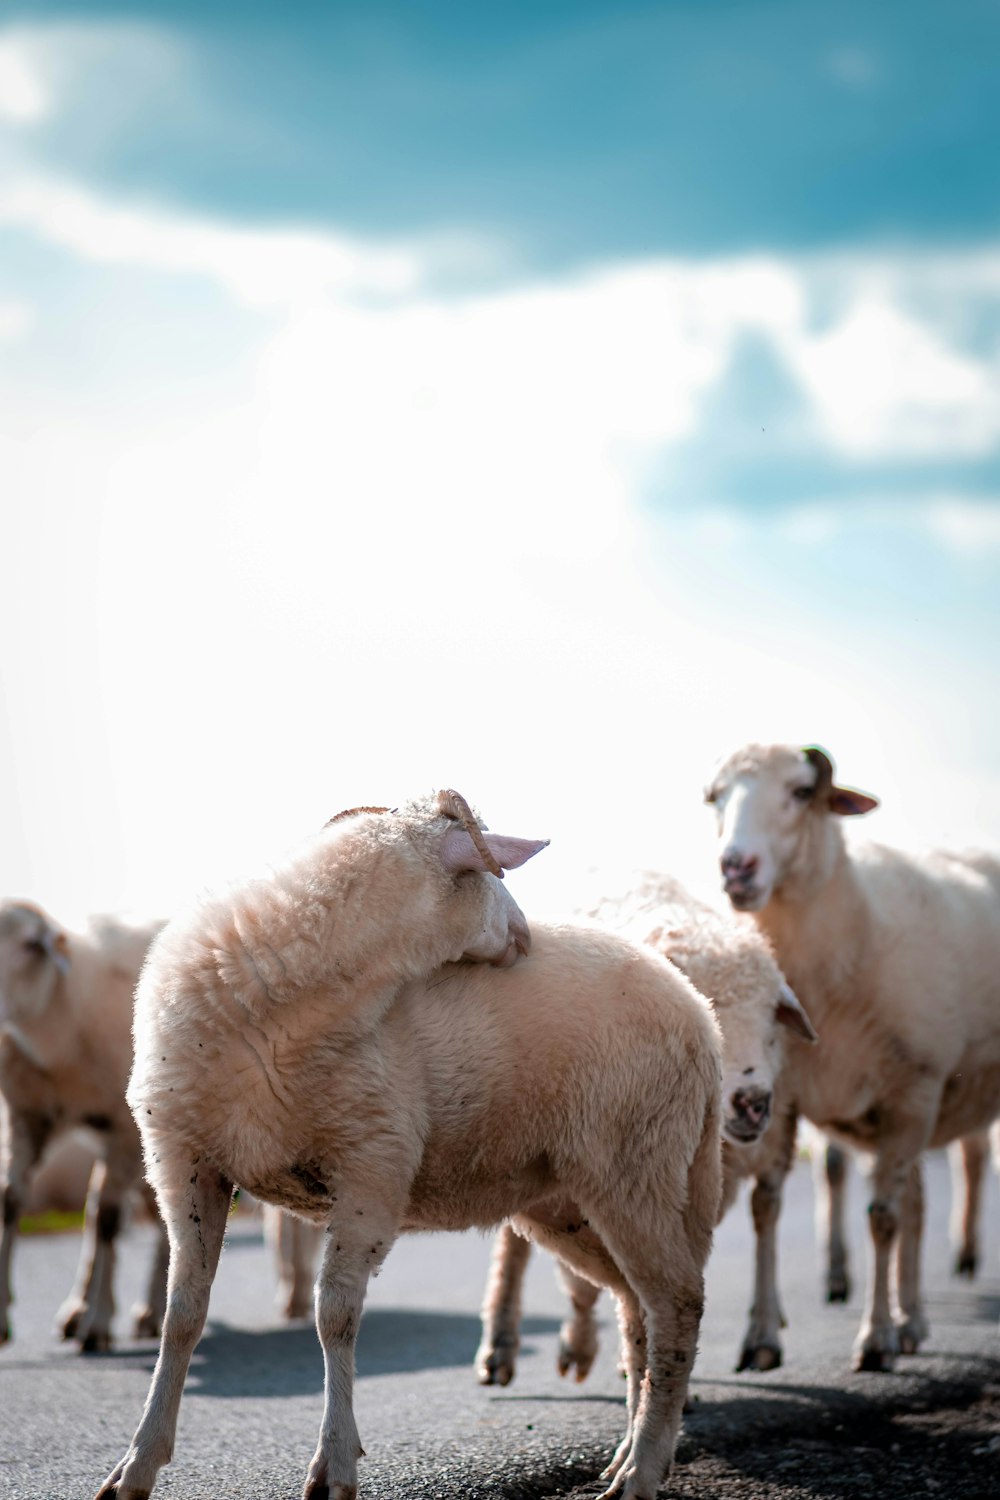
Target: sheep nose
x,y
738,868
752,1104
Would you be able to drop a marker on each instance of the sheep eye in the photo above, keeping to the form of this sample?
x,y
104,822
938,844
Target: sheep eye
x,y
803,793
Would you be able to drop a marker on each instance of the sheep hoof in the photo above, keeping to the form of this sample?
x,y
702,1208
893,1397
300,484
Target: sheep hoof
x,y
111,1488
577,1351
146,1324
98,1341
966,1263
69,1319
759,1357
496,1365
912,1334
838,1289
5,1332
296,1309
874,1361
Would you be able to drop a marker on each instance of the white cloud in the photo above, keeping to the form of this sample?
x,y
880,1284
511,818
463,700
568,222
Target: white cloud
x,y
15,320
885,385
970,529
24,98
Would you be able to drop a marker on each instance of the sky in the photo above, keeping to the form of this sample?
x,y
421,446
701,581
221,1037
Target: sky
x,y
541,399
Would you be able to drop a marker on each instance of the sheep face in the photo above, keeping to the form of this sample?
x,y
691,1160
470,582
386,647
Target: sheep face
x,y
753,1005
33,953
767,799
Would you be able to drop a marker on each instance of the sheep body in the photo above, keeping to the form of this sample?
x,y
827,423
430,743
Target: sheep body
x,y
65,1054
439,1099
897,957
732,965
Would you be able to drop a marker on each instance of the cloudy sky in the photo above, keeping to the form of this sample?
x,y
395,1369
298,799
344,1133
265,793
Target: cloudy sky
x,y
537,398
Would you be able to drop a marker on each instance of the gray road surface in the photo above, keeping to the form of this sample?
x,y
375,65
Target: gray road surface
x,y
251,1411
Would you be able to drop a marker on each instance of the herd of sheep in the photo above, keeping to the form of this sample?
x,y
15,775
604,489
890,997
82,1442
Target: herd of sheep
x,y
371,1039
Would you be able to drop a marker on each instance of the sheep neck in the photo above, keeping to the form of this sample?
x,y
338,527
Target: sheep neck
x,y
817,919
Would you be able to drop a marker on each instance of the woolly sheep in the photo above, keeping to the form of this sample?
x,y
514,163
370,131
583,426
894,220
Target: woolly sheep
x,y
302,1038
897,958
65,1053
732,966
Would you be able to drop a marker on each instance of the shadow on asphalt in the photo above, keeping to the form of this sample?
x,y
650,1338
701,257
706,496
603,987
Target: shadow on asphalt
x,y
836,1445
232,1362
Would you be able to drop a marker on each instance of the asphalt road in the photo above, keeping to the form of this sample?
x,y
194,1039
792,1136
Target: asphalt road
x,y
811,1430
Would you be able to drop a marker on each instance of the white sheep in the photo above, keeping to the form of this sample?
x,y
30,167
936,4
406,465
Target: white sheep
x,y
733,967
302,1038
897,958
65,1054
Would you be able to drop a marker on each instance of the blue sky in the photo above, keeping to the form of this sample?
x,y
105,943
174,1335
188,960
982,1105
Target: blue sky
x,y
538,398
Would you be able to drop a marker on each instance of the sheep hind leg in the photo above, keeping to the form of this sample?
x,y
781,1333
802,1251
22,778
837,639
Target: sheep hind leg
x,y
496,1357
560,1228
967,1159
838,1279
195,1203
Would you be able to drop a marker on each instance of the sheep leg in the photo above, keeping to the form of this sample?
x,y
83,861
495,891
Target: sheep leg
x,y
358,1240
578,1335
87,1316
560,1227
830,1180
967,1159
762,1344
24,1141
195,1202
75,1310
293,1242
658,1322
877,1343
912,1325
496,1357
147,1317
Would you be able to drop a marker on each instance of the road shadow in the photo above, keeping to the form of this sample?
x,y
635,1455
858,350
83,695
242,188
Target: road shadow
x,y
835,1444
231,1362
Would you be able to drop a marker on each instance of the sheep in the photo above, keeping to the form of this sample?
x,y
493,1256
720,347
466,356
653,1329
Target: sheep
x,y
314,1039
65,1054
733,966
897,958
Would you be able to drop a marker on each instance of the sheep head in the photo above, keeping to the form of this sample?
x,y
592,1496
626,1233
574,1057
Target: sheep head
x,y
767,799
34,953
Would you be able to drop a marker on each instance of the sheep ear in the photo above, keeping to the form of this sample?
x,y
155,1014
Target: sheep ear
x,y
458,852
790,1013
56,946
849,803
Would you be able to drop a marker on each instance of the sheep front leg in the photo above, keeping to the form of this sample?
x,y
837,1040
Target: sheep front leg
x,y
293,1243
194,1200
358,1240
496,1357
87,1315
912,1326
24,1141
762,1344
147,1317
830,1176
578,1335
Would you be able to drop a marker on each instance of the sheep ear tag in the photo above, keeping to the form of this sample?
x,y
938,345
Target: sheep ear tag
x,y
459,852
848,803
